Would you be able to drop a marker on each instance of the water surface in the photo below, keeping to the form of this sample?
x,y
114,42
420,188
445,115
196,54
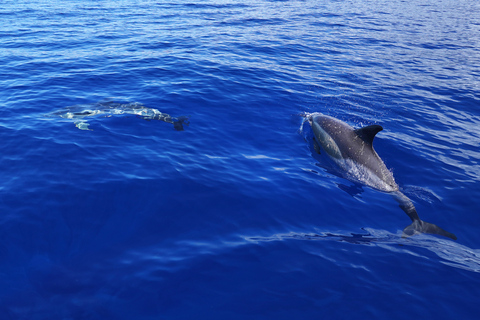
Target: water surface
x,y
234,217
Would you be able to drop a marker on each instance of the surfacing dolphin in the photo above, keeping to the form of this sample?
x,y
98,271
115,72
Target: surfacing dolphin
x,y
352,150
78,113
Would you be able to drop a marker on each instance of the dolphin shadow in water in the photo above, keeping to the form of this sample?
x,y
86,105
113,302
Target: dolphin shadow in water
x,y
351,150
80,112
450,253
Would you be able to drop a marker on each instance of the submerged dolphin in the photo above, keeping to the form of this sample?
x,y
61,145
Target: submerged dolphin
x,y
80,112
352,150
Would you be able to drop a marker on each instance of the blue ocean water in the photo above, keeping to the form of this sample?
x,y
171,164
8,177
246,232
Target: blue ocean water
x,y
234,217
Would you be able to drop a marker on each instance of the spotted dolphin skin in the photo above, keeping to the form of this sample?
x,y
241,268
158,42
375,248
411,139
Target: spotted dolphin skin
x,y
79,113
352,150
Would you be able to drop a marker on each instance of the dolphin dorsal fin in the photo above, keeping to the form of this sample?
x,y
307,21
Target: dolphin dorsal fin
x,y
368,133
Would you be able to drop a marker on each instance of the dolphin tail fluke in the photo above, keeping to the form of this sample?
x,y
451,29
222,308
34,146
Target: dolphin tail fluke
x,y
419,226
179,122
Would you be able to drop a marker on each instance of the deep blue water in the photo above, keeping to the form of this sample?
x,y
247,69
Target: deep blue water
x,y
235,217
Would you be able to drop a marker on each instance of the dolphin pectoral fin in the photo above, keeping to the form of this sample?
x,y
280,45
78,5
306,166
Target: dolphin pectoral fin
x,y
419,226
316,147
82,125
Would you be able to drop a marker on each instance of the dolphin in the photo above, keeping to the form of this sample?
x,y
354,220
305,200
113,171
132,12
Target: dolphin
x,y
78,113
352,150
